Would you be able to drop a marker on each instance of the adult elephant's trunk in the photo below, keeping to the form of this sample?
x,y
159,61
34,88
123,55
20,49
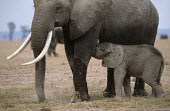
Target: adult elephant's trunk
x,y
40,37
41,26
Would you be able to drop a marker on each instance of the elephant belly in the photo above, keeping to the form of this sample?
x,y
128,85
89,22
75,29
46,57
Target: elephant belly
x,y
135,71
124,36
136,63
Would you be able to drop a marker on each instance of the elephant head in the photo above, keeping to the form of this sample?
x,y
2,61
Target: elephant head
x,y
48,14
111,54
78,15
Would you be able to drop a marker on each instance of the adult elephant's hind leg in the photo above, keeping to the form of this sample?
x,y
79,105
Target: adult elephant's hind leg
x,y
139,88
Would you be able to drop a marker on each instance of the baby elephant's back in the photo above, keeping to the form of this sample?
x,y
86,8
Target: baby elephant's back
x,y
150,55
149,51
142,51
142,57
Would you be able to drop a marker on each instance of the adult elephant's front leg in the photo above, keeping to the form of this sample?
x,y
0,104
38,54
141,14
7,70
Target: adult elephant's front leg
x,y
110,88
79,52
78,69
80,83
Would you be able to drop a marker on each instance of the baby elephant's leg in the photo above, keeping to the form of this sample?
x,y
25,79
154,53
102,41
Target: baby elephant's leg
x,y
158,90
153,93
119,76
150,76
127,87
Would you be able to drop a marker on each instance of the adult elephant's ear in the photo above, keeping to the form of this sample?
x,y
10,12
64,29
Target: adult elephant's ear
x,y
85,14
113,59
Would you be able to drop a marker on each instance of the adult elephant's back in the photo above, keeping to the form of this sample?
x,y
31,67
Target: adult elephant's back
x,y
133,22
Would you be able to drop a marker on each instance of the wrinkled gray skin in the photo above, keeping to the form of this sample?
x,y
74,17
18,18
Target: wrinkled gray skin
x,y
85,21
142,61
57,37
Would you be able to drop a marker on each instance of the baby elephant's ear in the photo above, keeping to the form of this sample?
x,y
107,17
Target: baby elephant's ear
x,y
113,59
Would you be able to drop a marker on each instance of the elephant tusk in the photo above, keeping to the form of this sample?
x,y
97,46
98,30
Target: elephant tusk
x,y
21,48
48,41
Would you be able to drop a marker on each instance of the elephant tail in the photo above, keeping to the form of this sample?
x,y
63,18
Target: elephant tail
x,y
160,72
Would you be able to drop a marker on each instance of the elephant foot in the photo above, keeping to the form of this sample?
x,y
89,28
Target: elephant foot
x,y
129,97
153,95
79,97
161,95
41,100
140,92
108,94
118,98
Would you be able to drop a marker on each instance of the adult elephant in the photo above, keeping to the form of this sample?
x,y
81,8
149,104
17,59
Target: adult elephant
x,y
83,22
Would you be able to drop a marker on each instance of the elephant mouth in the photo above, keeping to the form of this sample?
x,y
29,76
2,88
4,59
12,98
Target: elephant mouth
x,y
24,45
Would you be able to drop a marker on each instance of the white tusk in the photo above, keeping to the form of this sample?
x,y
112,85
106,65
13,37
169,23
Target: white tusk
x,y
48,41
21,48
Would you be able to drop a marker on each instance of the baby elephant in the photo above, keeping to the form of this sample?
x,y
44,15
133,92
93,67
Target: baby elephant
x,y
142,61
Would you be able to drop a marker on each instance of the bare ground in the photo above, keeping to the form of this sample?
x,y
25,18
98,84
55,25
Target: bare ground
x,y
17,84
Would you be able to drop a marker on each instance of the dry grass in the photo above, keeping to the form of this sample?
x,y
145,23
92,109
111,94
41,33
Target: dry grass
x,y
19,99
17,84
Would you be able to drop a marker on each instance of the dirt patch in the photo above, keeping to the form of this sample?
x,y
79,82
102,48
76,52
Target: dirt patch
x,y
17,84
